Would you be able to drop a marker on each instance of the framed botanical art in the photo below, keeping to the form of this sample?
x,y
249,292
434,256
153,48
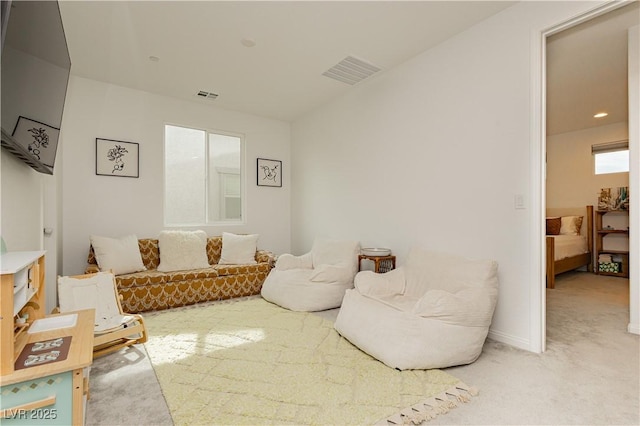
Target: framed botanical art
x,y
117,158
269,172
41,140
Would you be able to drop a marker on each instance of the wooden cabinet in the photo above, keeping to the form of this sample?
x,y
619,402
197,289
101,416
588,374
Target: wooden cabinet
x,y
53,393
614,262
41,393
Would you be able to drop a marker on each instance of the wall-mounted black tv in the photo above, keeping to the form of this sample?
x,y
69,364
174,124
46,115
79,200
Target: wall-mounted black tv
x,y
35,74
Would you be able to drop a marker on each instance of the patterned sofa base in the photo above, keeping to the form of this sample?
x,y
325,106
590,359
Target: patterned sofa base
x,y
151,290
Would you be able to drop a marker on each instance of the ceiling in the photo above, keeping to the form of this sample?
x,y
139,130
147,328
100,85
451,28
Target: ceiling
x,y
198,45
587,72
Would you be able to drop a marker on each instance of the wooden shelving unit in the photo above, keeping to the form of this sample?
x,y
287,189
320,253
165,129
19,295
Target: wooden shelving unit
x,y
600,233
22,293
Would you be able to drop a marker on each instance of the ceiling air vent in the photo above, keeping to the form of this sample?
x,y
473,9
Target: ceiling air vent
x,y
207,95
351,70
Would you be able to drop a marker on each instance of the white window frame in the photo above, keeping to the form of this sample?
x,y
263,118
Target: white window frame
x,y
243,180
606,148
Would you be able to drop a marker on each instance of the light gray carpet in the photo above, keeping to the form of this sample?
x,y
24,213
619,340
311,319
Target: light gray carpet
x,y
589,374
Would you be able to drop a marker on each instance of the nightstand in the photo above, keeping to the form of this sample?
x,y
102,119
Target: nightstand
x,y
381,263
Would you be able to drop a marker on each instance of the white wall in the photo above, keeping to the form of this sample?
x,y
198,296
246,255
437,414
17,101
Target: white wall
x,y
28,204
571,180
433,153
116,206
21,194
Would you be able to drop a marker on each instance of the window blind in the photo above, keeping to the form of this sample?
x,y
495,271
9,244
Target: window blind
x,y
610,146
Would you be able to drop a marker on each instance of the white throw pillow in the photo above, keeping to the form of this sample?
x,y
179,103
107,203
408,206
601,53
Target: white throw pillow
x,y
238,249
120,255
182,250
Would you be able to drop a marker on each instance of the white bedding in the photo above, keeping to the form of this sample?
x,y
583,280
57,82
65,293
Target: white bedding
x,y
569,245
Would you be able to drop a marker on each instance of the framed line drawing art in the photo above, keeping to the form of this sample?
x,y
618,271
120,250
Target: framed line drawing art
x,y
117,158
269,172
41,140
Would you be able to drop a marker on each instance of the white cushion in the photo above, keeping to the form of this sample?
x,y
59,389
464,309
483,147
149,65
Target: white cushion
x,y
93,292
314,281
428,270
570,225
293,290
238,249
327,251
182,250
288,261
371,284
470,307
338,273
432,312
120,255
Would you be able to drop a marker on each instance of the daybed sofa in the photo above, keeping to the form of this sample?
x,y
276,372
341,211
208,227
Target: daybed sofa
x,y
151,289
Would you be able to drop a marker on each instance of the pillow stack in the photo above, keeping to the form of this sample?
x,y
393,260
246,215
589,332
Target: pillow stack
x,y
179,251
565,225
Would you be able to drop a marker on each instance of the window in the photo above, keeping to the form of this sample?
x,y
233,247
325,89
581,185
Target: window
x,y
203,176
611,157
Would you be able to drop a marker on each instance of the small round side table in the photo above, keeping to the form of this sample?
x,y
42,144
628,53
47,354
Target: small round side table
x,y
381,263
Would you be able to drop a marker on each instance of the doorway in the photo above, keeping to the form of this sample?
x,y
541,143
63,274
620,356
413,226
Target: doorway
x,y
576,89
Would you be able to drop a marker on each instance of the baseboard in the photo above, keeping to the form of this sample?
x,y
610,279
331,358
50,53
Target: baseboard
x,y
510,340
633,328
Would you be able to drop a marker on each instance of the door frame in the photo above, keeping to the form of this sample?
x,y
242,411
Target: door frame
x,y
538,149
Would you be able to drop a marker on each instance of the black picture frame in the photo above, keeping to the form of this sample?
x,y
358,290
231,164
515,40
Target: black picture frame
x,y
269,172
40,139
117,158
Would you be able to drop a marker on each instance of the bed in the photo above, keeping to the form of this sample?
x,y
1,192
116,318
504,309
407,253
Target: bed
x,y
569,240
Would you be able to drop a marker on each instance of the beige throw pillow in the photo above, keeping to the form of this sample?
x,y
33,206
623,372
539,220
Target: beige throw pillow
x,y
120,255
571,225
238,249
182,250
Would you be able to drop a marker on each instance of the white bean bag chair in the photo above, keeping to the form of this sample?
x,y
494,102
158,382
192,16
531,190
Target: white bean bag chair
x,y
315,281
432,312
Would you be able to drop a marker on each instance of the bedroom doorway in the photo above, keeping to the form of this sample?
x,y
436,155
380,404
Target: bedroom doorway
x,y
586,74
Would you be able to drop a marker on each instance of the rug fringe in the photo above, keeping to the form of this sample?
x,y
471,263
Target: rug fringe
x,y
432,407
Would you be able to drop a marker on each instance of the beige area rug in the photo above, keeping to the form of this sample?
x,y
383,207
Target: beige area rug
x,y
252,362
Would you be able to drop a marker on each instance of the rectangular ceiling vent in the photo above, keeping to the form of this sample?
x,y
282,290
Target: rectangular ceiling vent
x,y
351,70
207,95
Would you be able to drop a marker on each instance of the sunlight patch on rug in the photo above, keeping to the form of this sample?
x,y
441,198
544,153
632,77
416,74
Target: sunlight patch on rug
x,y
252,362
